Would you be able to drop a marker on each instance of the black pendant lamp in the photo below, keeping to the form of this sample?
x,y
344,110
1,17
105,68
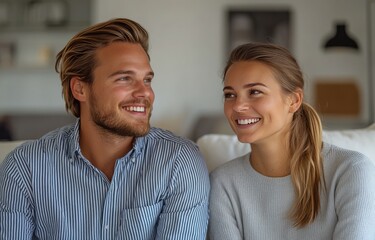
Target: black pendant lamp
x,y
341,39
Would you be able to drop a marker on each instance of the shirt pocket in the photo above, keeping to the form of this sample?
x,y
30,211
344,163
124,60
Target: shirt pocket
x,y
140,223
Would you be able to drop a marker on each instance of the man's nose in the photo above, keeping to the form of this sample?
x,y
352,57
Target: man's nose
x,y
141,89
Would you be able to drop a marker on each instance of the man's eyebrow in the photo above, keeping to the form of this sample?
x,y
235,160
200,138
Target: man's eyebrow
x,y
249,85
150,73
120,72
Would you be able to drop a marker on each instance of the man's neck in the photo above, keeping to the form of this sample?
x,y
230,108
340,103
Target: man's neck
x,y
102,148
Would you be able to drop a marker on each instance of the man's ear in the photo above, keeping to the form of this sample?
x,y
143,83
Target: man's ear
x,y
296,99
77,86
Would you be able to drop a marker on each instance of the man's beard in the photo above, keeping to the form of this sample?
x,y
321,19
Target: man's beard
x,y
112,123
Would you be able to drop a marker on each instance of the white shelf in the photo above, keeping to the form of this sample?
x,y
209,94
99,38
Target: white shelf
x,y
41,15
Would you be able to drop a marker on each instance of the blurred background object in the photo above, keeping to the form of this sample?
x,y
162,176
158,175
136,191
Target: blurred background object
x,y
189,42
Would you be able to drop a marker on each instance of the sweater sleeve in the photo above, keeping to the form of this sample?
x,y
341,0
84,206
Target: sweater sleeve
x,y
223,223
355,202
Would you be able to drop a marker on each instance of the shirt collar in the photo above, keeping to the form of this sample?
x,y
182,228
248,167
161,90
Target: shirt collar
x,y
139,143
73,139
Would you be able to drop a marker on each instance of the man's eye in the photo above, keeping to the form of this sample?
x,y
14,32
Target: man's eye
x,y
147,81
126,78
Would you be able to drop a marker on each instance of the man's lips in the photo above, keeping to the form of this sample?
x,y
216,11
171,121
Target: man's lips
x,y
135,108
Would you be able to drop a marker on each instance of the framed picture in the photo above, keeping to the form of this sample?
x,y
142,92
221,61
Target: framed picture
x,y
259,25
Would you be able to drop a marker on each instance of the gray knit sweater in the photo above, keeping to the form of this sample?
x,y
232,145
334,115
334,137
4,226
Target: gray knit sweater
x,y
247,205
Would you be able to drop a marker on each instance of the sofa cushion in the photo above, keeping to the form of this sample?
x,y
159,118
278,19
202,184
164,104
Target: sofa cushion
x,y
218,148
361,140
6,147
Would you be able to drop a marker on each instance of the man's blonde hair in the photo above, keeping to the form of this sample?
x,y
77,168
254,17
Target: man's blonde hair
x,y
77,58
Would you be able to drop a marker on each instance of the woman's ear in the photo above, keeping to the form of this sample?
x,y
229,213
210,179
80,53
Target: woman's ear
x,y
77,86
296,99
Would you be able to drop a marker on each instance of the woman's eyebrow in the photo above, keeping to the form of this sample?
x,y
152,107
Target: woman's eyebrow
x,y
248,85
254,84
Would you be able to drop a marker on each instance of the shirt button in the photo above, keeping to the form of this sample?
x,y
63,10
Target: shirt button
x,y
106,227
133,160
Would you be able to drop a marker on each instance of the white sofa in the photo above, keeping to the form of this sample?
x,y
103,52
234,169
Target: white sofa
x,y
6,147
219,148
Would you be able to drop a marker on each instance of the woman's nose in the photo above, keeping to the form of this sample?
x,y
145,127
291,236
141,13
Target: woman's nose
x,y
241,104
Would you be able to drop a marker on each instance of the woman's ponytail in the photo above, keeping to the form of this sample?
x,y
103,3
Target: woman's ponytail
x,y
306,164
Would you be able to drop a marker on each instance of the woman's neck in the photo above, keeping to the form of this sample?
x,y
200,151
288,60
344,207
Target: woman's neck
x,y
272,159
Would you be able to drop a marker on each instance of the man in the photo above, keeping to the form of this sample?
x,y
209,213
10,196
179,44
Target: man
x,y
108,176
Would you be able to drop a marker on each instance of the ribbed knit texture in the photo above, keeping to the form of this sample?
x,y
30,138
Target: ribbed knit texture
x,y
247,205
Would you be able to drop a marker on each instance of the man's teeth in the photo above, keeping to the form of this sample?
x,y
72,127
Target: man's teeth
x,y
135,109
247,121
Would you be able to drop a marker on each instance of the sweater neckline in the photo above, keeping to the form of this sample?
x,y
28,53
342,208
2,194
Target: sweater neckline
x,y
250,170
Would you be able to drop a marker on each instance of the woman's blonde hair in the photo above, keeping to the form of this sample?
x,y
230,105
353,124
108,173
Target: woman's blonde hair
x,y
305,141
77,58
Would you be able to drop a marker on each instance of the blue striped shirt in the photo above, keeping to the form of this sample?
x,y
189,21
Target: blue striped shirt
x,y
159,190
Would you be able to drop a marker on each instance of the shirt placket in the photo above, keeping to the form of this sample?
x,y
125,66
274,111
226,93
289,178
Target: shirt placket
x,y
110,220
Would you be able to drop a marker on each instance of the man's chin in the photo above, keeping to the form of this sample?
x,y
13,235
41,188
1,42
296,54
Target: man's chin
x,y
142,132
129,130
138,130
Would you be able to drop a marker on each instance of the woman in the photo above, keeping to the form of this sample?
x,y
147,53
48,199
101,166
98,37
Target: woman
x,y
291,185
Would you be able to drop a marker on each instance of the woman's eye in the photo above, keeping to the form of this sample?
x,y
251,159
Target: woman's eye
x,y
228,95
254,92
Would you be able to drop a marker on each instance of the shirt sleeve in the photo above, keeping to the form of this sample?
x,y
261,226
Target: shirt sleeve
x,y
222,224
355,202
15,203
185,210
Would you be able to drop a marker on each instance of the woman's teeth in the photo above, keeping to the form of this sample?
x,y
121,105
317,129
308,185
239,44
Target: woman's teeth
x,y
247,121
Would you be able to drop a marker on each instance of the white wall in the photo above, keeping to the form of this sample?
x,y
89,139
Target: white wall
x,y
187,48
188,42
